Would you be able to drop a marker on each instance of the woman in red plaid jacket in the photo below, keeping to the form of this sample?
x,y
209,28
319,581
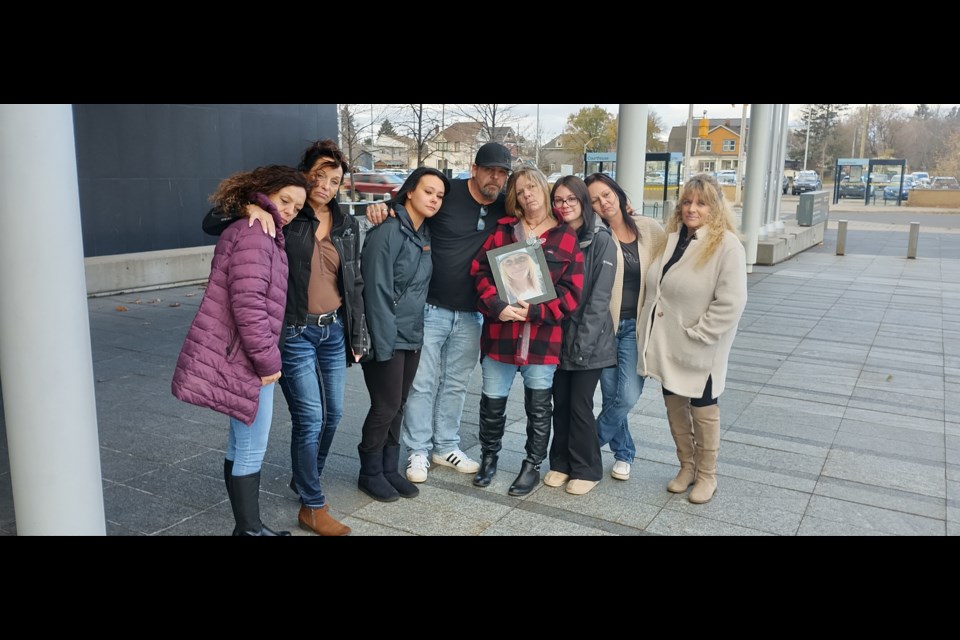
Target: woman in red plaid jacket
x,y
524,337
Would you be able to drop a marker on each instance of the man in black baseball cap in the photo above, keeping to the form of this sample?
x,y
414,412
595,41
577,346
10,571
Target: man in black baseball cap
x,y
494,154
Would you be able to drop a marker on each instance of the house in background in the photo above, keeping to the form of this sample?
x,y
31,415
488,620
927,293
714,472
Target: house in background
x,y
715,149
563,149
455,148
394,152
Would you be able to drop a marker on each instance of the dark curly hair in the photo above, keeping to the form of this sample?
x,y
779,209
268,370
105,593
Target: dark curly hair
x,y
235,192
323,149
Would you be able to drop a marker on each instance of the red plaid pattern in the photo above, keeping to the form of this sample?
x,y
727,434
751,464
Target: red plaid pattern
x,y
502,340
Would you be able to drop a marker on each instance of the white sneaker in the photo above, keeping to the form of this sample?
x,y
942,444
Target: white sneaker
x,y
621,470
417,468
458,460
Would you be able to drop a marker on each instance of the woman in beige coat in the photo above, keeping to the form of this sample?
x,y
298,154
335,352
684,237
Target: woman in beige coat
x,y
696,293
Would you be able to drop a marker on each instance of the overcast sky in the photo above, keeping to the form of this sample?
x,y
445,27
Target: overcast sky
x,y
553,117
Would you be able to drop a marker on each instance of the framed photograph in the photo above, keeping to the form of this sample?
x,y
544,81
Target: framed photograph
x,y
521,273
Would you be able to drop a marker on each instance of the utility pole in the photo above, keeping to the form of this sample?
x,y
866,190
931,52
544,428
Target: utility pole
x,y
863,137
537,152
686,152
806,147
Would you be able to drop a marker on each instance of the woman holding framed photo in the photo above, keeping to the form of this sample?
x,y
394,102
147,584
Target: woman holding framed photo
x,y
525,338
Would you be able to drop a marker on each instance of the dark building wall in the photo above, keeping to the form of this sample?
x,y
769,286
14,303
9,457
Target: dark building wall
x,y
146,170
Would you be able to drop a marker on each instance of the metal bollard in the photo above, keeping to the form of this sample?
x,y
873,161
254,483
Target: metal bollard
x,y
912,240
841,237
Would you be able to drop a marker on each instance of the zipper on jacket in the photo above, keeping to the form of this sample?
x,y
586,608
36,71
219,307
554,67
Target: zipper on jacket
x,y
231,348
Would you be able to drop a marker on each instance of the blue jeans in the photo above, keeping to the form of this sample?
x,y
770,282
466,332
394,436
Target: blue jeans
x,y
246,446
450,352
498,377
620,387
313,380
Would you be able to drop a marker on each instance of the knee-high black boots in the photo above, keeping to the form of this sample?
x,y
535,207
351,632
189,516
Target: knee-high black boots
x,y
493,421
244,492
539,406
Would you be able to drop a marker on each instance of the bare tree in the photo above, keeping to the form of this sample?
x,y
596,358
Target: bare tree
x,y
353,134
420,123
492,118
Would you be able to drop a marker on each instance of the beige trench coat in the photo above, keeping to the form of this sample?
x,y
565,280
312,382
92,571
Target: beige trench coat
x,y
696,315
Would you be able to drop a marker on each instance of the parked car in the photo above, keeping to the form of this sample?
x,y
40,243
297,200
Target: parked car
x,y
891,191
853,188
553,177
462,175
373,183
941,182
806,181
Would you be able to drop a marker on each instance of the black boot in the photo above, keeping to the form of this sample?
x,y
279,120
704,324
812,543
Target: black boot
x,y
245,499
538,404
391,464
493,421
527,481
488,469
372,482
227,472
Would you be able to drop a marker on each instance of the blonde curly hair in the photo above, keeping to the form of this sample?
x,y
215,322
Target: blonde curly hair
x,y
707,190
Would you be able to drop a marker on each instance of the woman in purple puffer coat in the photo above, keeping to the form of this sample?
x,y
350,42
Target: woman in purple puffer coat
x,y
231,357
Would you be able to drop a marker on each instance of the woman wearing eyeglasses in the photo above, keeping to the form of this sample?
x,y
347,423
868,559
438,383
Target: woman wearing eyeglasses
x,y
524,338
325,326
638,239
588,347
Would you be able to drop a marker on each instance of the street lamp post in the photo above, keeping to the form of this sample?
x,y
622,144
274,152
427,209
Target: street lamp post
x,y
585,145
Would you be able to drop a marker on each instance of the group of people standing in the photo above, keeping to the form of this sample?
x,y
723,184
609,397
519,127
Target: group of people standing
x,y
296,298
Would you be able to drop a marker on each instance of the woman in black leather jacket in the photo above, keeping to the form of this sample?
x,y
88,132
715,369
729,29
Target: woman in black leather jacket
x,y
326,326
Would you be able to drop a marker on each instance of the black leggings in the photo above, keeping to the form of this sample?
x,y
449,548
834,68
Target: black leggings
x,y
389,383
704,401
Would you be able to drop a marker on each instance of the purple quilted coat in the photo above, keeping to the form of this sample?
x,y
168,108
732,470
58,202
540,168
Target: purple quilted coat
x,y
234,338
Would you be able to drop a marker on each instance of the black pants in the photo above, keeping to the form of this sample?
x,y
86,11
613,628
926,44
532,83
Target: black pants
x,y
388,383
703,401
575,449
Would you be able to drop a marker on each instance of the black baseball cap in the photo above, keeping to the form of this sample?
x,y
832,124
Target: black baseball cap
x,y
494,154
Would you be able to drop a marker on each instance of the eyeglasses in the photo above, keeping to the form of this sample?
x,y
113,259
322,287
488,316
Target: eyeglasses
x,y
559,202
481,223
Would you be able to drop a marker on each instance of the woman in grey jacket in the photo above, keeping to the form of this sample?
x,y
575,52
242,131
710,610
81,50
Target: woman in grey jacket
x,y
396,266
588,346
696,293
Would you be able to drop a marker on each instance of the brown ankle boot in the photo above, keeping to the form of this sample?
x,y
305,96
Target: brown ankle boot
x,y
321,522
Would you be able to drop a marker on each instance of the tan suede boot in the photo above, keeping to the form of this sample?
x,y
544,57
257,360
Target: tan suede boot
x,y
706,429
321,522
681,427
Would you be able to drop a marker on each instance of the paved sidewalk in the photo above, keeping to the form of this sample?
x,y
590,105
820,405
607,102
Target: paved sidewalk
x,y
835,422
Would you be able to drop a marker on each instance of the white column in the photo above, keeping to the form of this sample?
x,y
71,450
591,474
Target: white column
x,y
632,152
45,356
778,225
768,227
761,118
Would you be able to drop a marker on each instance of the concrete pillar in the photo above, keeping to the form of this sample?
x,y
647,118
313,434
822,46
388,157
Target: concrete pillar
x,y
761,117
913,239
45,355
632,152
781,129
841,237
